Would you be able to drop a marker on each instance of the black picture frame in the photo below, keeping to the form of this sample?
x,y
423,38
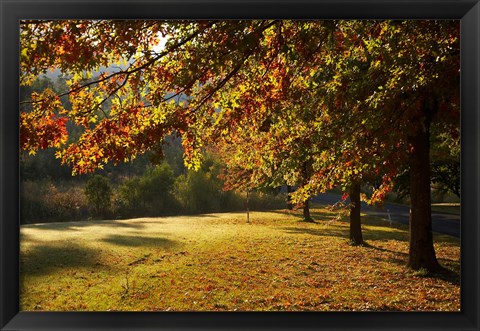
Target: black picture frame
x,y
11,11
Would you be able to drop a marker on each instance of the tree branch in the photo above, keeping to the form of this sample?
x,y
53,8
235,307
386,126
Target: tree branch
x,y
129,72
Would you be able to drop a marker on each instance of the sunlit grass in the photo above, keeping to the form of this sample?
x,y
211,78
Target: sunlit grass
x,y
221,262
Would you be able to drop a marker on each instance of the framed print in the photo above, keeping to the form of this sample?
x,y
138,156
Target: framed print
x,y
239,165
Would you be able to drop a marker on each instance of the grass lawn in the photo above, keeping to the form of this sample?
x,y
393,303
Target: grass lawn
x,y
220,262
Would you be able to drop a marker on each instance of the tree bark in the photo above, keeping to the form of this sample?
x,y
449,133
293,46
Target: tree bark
x,y
306,211
421,251
306,204
248,208
355,222
289,202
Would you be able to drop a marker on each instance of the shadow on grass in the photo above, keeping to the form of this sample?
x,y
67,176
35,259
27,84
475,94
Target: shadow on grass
x,y
316,215
373,228
401,260
137,241
332,231
448,275
324,232
83,224
46,259
392,232
445,274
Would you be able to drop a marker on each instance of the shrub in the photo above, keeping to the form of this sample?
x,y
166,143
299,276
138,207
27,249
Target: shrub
x,y
151,194
44,201
33,206
197,192
68,203
130,199
266,200
157,187
157,192
202,191
99,194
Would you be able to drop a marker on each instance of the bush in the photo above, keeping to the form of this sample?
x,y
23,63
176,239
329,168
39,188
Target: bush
x,y
129,200
266,200
157,187
197,193
43,201
151,194
202,191
99,194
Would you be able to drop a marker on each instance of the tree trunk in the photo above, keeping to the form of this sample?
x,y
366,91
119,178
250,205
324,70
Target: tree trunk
x,y
306,203
421,252
355,222
289,202
248,207
306,211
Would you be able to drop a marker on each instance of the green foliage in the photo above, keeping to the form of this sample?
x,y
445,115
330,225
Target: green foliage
x,y
130,196
99,193
445,159
265,200
156,188
173,155
196,193
201,191
151,194
446,176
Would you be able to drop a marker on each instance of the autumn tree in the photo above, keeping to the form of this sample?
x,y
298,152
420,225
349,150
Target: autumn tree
x,y
268,158
420,82
387,91
284,139
309,143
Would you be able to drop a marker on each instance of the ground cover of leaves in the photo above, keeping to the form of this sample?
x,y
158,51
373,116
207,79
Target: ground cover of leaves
x,y
220,262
